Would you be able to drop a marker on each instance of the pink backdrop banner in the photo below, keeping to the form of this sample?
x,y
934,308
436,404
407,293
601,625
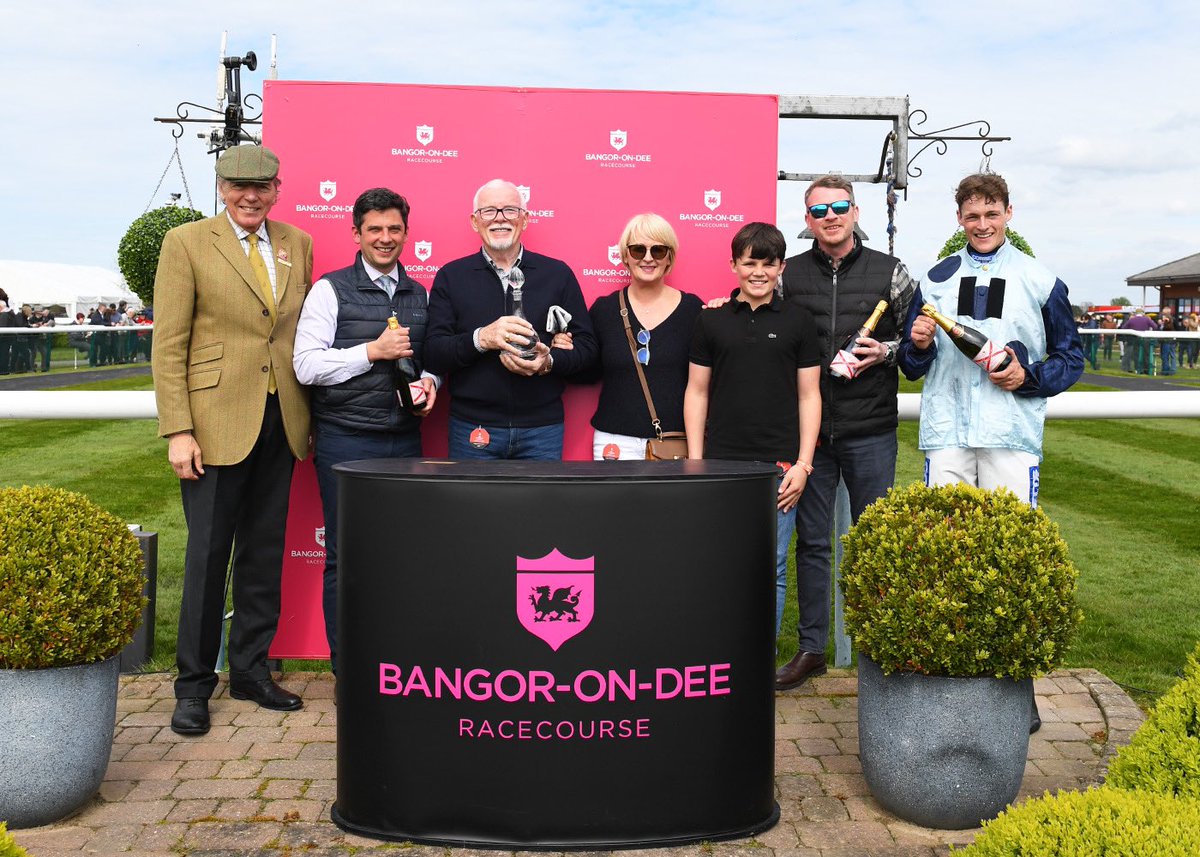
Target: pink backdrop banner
x,y
586,161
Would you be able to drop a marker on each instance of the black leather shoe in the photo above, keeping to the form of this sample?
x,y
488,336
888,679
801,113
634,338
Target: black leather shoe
x,y
1035,719
191,716
266,693
799,670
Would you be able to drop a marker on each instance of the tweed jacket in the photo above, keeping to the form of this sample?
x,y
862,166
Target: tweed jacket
x,y
214,341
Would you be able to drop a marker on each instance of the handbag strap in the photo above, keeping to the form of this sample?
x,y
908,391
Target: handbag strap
x,y
638,366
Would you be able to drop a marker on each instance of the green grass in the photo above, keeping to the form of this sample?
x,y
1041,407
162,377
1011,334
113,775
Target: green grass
x,y
1126,494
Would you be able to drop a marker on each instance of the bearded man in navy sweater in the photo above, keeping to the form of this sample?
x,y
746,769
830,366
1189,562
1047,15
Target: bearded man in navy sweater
x,y
504,405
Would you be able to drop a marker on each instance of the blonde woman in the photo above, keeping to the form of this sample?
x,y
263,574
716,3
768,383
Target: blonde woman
x,y
661,319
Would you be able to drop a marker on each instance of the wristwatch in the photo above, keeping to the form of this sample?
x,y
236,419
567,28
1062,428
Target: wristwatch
x,y
889,359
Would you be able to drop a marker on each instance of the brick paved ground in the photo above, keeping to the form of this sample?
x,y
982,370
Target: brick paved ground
x,y
262,782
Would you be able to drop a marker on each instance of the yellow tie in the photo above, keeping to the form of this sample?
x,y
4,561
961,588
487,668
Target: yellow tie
x,y
268,294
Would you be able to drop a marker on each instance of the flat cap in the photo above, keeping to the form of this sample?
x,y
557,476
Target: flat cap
x,y
248,164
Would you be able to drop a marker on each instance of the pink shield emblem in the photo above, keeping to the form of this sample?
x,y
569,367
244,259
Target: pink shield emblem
x,y
555,596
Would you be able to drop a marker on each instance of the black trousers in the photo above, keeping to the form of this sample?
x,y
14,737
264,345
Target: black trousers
x,y
239,508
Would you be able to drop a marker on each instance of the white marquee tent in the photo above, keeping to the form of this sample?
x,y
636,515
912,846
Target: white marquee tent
x,y
75,288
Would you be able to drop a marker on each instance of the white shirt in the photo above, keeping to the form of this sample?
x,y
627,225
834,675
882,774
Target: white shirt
x,y
316,361
264,249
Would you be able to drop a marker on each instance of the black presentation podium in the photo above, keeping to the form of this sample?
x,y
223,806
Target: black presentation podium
x,y
556,655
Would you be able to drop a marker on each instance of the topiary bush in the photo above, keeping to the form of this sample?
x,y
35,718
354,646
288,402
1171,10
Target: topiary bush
x,y
1164,753
959,240
70,580
137,254
1098,821
957,581
8,847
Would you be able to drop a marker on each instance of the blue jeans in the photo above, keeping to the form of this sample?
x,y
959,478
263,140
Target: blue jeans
x,y
537,443
1169,367
785,524
334,445
868,466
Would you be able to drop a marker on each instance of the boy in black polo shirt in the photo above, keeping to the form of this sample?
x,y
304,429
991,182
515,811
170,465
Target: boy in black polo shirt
x,y
753,390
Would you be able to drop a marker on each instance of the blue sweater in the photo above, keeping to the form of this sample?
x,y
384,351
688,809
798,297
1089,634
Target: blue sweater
x,y
466,295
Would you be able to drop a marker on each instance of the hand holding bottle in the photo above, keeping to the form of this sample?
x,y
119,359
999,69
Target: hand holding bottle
x,y
1011,376
392,344
861,350
974,344
922,333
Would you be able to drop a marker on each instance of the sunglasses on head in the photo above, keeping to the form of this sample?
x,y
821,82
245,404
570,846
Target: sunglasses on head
x,y
821,209
657,251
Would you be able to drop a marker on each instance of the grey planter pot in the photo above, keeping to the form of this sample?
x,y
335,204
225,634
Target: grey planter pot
x,y
942,752
57,728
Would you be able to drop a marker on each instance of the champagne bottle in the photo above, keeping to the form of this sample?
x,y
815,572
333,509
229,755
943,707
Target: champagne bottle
x,y
409,388
845,364
516,281
988,355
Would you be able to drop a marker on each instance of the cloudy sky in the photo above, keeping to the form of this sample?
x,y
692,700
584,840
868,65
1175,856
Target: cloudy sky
x,y
1099,98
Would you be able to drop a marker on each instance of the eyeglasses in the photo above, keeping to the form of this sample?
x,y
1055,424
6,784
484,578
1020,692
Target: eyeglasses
x,y
509,212
643,353
821,209
638,251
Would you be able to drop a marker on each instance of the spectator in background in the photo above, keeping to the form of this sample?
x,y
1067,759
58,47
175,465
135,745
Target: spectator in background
x,y
78,339
6,320
1166,322
1191,324
22,355
45,342
96,338
1135,355
1108,323
1091,342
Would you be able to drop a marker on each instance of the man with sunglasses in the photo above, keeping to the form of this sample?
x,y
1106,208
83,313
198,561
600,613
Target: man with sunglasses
x,y
839,281
504,405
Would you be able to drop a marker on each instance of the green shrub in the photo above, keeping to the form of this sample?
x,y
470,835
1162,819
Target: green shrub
x,y
137,254
959,240
958,581
1164,753
1098,821
8,847
70,580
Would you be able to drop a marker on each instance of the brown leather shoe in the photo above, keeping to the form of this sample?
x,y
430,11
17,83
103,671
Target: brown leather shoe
x,y
799,670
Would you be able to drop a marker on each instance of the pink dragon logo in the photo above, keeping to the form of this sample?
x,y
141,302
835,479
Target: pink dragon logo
x,y
555,596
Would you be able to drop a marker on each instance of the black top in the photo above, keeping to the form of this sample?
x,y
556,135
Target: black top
x,y
840,302
367,401
467,294
753,396
622,407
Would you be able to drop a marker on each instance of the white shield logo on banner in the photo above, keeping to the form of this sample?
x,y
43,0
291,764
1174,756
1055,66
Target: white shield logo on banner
x,y
319,535
524,191
614,255
712,199
423,250
618,139
424,134
328,190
